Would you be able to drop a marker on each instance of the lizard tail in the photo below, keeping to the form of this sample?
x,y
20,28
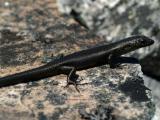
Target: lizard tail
x,y
29,76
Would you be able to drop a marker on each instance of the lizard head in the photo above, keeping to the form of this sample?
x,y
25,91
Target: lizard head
x,y
136,42
133,43
143,41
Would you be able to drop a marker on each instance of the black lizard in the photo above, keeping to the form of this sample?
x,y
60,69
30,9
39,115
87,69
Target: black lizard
x,y
85,59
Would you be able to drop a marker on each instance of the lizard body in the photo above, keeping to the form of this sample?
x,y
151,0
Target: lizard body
x,y
85,59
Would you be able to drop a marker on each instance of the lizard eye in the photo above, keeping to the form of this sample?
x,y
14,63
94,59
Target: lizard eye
x,y
129,45
143,42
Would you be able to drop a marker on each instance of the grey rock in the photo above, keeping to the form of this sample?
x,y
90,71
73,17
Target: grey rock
x,y
154,86
119,19
36,31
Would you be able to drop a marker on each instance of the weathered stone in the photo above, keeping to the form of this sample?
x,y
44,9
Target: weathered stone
x,y
119,19
31,30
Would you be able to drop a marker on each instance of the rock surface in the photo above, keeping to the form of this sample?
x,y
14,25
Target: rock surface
x,y
33,30
154,86
119,19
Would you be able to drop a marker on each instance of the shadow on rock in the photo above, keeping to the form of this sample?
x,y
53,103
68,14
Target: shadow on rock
x,y
151,65
135,89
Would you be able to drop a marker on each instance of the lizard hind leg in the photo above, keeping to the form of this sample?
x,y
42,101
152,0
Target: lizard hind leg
x,y
71,76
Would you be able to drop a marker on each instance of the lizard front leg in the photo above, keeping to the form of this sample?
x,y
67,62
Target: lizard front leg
x,y
112,61
71,76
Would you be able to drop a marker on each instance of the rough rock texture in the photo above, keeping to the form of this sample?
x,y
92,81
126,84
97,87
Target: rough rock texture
x,y
32,30
119,19
154,86
116,19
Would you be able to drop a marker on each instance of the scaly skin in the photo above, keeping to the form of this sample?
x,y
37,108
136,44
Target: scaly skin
x,y
85,59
